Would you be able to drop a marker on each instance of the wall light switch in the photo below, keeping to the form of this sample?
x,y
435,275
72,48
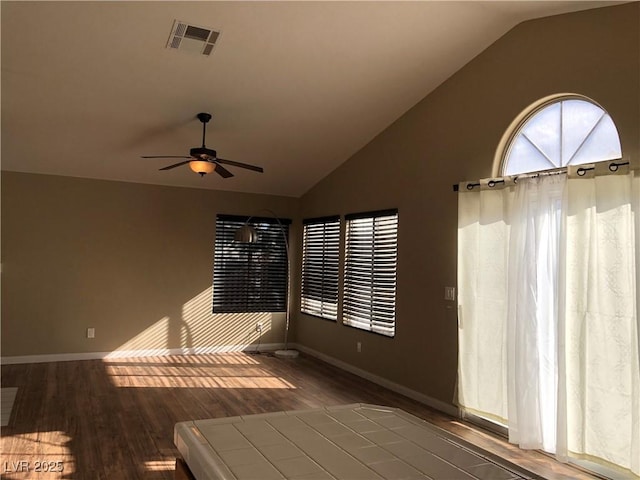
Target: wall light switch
x,y
91,332
450,293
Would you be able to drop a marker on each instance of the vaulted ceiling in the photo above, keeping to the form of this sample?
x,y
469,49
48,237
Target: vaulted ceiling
x,y
295,87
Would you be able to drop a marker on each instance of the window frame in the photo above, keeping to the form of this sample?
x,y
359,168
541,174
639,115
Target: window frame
x,y
263,264
326,279
380,316
521,120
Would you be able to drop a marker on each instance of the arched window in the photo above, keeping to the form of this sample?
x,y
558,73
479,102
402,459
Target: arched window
x,y
568,130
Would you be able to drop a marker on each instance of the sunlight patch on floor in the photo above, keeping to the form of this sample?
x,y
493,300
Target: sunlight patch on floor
x,y
160,465
175,381
235,370
43,455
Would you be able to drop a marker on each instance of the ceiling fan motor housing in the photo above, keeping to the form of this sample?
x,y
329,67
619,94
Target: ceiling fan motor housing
x,y
203,153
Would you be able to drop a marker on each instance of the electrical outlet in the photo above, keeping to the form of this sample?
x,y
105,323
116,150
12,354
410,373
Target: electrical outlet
x,y
358,347
450,293
91,332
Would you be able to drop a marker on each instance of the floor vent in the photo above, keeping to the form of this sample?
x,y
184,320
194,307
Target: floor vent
x,y
191,38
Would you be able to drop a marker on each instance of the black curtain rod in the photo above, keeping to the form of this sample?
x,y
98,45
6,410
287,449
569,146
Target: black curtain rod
x,y
613,166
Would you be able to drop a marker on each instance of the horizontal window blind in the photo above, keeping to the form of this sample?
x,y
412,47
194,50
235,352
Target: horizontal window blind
x,y
320,260
250,277
370,271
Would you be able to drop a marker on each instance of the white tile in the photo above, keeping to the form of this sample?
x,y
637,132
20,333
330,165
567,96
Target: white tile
x,y
265,416
280,452
425,439
301,434
436,468
285,422
326,454
375,412
223,439
294,467
373,454
215,429
316,418
383,437
253,426
348,468
315,476
345,416
393,422
257,471
351,406
363,426
395,469
242,456
260,433
460,458
489,471
351,441
405,449
332,429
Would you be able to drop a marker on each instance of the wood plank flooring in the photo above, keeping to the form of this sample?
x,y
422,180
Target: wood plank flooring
x,y
113,419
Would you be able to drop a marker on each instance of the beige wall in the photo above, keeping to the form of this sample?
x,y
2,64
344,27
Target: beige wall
x,y
450,136
133,261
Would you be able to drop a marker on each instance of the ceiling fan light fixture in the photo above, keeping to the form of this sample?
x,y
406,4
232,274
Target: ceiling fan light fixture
x,y
202,167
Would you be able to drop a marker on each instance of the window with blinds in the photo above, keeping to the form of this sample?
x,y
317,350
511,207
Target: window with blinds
x,y
370,271
320,260
250,277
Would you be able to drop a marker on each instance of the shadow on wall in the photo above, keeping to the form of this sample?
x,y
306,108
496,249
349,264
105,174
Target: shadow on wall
x,y
200,331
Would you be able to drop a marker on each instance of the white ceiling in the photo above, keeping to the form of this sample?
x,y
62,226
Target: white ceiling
x,y
296,87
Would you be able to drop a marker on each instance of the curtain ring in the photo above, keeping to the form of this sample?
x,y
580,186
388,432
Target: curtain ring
x,y
613,167
581,171
469,186
491,183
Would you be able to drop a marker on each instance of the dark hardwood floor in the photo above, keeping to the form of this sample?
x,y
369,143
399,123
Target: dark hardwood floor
x,y
114,419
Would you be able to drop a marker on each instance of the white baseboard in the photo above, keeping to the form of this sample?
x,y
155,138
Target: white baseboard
x,y
383,382
66,357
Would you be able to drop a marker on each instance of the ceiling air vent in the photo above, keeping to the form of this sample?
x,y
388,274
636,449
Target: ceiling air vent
x,y
191,38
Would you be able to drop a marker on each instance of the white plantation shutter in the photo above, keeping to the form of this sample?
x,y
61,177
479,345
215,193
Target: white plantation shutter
x,y
320,260
370,271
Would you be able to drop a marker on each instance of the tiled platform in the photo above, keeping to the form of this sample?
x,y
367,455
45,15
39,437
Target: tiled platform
x,y
346,442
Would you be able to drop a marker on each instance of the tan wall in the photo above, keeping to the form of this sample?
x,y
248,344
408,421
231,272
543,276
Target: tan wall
x,y
133,261
450,136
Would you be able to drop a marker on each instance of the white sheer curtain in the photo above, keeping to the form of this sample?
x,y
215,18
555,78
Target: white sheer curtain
x,y
548,333
532,314
600,406
483,240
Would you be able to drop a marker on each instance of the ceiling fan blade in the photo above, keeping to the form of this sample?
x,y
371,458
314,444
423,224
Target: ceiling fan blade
x,y
223,172
175,164
241,165
163,156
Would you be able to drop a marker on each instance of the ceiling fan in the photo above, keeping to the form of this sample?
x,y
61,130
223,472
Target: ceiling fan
x,y
203,160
